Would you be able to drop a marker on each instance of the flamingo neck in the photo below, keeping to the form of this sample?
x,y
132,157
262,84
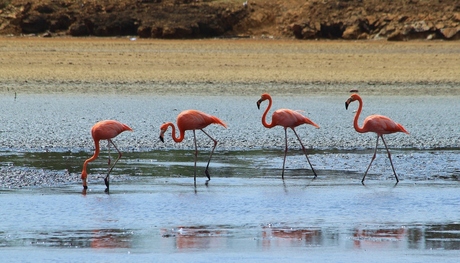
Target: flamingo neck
x,y
264,116
355,121
173,133
95,155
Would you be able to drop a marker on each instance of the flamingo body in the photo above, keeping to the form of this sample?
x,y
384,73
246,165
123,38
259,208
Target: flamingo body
x,y
381,125
378,124
287,119
196,120
290,119
108,129
104,130
192,120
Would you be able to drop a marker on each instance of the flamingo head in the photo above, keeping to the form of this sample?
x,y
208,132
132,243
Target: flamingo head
x,y
84,175
163,129
352,98
264,96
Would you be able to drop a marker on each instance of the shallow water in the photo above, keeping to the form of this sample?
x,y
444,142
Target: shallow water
x,y
231,219
245,213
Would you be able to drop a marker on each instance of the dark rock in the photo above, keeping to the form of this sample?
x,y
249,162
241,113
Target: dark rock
x,y
62,22
332,30
44,9
34,24
79,30
144,31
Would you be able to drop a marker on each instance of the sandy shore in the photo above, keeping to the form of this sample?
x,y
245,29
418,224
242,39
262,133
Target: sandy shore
x,y
121,65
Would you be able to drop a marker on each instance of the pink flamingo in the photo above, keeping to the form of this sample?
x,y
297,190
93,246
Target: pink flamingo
x,y
104,130
375,123
288,119
192,120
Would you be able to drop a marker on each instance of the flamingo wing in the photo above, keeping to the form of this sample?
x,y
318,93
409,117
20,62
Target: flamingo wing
x,y
382,125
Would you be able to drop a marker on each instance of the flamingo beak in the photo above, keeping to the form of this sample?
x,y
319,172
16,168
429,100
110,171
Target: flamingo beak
x,y
162,132
347,103
258,104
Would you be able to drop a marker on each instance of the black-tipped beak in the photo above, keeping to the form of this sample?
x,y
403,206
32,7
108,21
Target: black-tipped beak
x,y
258,104
162,139
347,103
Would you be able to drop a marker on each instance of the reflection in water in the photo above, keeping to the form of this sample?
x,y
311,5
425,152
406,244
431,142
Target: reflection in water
x,y
442,236
103,238
416,237
393,237
196,237
282,236
111,239
378,238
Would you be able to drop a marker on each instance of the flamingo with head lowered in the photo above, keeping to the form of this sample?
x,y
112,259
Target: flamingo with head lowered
x,y
375,123
287,119
192,120
104,130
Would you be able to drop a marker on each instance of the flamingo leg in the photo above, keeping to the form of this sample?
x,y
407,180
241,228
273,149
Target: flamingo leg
x,y
373,158
305,152
210,156
285,151
108,149
106,179
196,156
391,162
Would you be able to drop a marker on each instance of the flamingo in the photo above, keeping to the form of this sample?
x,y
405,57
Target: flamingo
x,y
288,119
192,120
104,130
375,123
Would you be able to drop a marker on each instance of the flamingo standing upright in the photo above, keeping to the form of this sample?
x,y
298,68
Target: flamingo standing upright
x,y
104,130
192,120
375,123
288,119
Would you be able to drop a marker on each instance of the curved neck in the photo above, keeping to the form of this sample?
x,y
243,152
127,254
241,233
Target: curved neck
x,y
264,116
355,121
95,155
173,133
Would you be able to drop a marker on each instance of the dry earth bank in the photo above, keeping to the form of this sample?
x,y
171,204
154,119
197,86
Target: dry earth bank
x,y
119,65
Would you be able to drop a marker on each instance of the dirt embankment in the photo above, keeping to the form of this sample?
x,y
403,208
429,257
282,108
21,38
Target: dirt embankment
x,y
179,19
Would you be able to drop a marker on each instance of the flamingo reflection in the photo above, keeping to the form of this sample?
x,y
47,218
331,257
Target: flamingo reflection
x,y
380,238
196,237
111,238
282,236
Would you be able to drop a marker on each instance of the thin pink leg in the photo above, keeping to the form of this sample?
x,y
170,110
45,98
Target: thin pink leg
x,y
391,162
373,157
305,152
